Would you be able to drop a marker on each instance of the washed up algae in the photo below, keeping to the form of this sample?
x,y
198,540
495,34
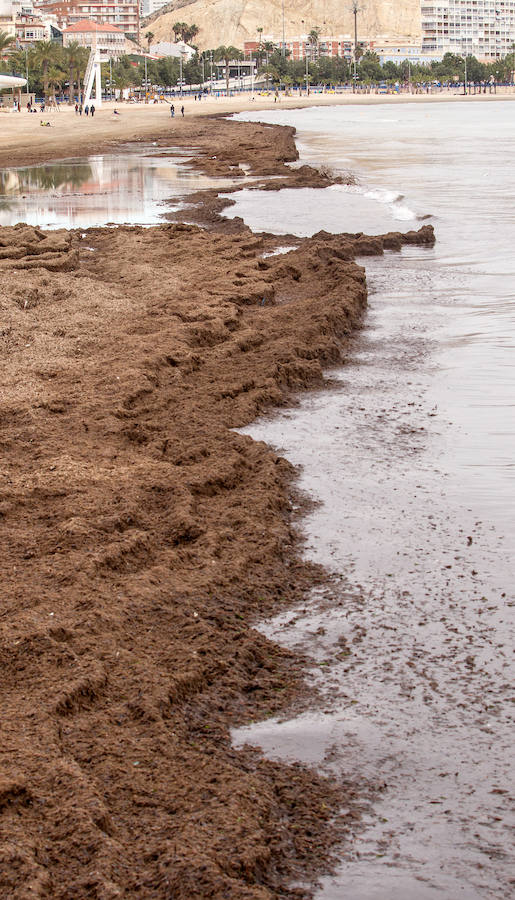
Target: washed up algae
x,y
142,537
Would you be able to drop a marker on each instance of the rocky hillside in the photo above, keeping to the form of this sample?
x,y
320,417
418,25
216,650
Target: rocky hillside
x,y
236,21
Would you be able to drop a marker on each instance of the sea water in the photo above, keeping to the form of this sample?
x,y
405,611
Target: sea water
x,y
412,457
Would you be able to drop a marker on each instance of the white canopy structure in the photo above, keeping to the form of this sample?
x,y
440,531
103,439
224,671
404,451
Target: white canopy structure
x,y
12,81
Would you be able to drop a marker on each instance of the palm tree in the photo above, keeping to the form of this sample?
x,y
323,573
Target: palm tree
x,y
149,38
45,54
225,55
55,79
313,42
270,72
74,58
269,48
189,33
18,62
179,29
5,41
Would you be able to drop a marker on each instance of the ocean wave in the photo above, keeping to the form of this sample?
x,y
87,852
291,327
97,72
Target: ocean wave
x,y
392,199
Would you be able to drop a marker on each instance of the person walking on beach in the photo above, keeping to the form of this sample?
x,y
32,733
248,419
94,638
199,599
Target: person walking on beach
x,y
86,110
182,111
76,109
92,110
80,110
172,111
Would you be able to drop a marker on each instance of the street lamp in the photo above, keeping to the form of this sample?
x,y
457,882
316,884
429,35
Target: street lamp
x,y
355,9
182,55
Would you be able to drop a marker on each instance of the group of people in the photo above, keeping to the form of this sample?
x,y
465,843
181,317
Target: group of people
x,y
87,110
172,110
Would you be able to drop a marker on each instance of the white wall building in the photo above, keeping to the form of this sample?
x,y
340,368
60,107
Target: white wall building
x,y
169,48
483,28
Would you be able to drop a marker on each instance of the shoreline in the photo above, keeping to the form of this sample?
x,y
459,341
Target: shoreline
x,y
70,136
143,537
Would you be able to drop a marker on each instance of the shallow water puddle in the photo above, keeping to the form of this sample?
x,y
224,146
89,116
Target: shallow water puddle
x,y
131,187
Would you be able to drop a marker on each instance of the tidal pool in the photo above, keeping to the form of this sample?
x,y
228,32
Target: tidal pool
x,y
133,187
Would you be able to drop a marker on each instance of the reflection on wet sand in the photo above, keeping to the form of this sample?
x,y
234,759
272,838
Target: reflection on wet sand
x,y
57,175
129,188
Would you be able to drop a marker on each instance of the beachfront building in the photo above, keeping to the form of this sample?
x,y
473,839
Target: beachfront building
x,y
300,47
108,39
396,52
176,49
31,28
483,28
343,47
123,14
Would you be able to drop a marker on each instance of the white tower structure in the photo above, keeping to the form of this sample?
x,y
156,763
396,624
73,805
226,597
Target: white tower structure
x,y
93,78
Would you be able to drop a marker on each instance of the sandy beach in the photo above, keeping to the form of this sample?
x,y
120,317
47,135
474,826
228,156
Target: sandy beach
x,y
24,141
143,536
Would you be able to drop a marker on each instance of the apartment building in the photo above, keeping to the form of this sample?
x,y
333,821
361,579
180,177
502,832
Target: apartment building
x,y
300,47
483,28
148,7
123,14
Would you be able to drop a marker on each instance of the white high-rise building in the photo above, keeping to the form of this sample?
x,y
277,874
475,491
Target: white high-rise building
x,y
147,7
483,28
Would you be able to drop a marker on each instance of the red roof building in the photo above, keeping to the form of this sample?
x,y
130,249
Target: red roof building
x,y
106,38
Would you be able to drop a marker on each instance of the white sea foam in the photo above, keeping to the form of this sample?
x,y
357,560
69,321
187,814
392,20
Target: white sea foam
x,y
279,250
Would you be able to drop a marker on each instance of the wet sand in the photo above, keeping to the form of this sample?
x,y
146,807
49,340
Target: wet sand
x,y
142,539
25,142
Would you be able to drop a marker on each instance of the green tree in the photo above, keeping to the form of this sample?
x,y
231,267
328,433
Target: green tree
x,y
313,43
149,37
6,41
475,69
268,48
370,67
278,61
271,74
189,33
392,72
76,59
193,70
184,32
45,55
226,55
55,79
